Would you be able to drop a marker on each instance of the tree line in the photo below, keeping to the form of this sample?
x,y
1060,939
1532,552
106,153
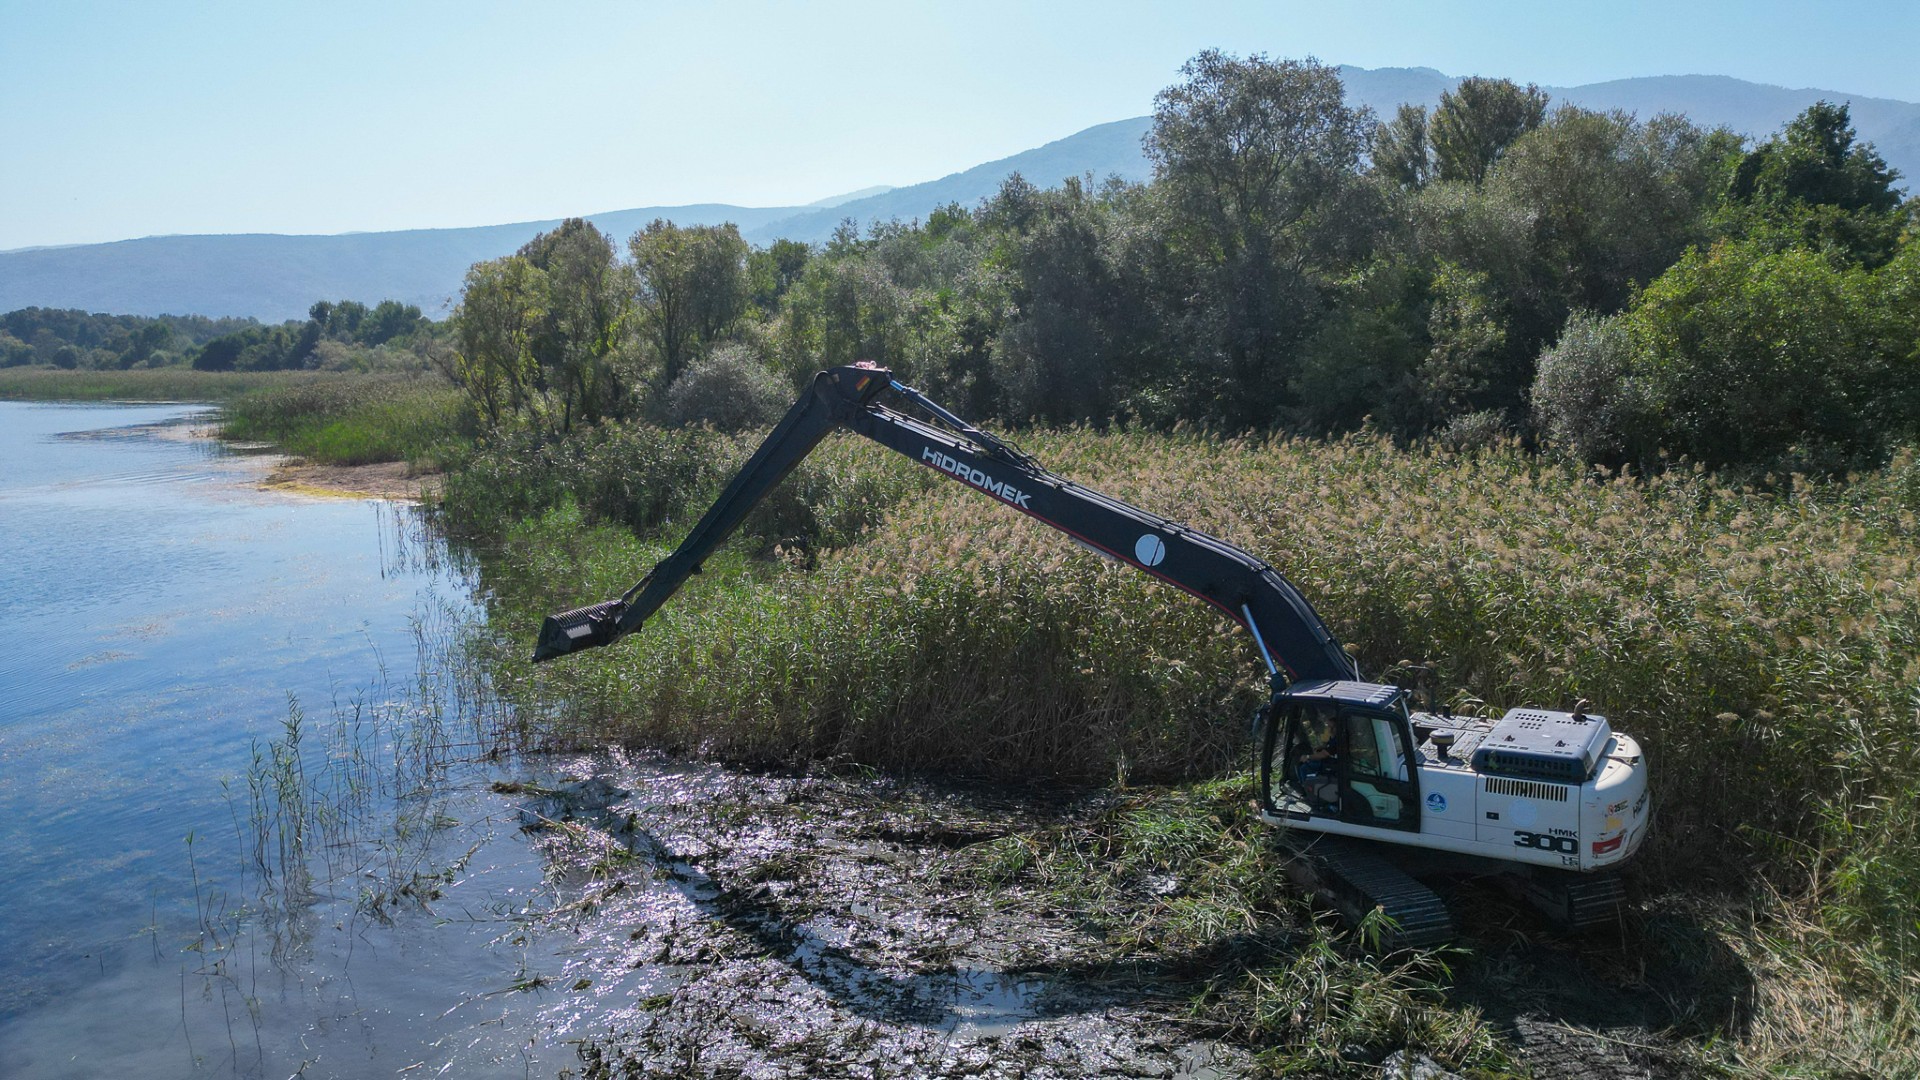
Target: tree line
x,y
66,338
1495,267
343,335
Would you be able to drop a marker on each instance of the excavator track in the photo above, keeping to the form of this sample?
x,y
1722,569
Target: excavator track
x,y
1577,902
1355,880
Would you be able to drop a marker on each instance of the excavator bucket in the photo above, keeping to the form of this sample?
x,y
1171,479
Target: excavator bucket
x,y
582,628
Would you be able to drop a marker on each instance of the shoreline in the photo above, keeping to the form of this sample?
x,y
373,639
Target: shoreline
x,y
291,475
389,480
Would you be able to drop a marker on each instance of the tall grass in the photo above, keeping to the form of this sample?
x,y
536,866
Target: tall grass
x,y
646,479
143,384
353,419
1764,645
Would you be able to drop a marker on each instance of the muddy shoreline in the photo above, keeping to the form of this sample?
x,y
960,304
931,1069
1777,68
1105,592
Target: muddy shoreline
x,y
385,480
817,925
823,923
393,480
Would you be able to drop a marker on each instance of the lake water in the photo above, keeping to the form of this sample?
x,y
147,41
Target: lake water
x,y
250,818
165,620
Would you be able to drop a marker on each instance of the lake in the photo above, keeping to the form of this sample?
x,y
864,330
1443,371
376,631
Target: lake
x,y
226,732
257,820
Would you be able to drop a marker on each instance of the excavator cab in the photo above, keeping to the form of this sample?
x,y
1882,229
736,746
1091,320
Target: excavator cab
x,y
1343,751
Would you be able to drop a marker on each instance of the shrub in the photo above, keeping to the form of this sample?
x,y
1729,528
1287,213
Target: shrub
x,y
1761,360
728,389
343,419
635,476
1586,405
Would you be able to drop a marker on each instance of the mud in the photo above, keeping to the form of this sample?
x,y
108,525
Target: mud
x,y
385,480
808,925
739,924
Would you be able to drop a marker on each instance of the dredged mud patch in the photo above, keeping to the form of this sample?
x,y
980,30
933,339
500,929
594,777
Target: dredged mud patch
x,y
751,925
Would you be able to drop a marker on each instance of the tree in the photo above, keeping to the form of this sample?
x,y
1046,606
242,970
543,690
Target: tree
x,y
220,354
1586,403
1469,366
1814,183
1614,202
501,308
1255,158
145,343
589,298
691,286
391,319
1400,148
1777,360
344,319
1065,354
729,389
774,269
1476,122
1363,360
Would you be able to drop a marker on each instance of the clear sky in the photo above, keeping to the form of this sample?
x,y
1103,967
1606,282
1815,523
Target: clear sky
x,y
140,118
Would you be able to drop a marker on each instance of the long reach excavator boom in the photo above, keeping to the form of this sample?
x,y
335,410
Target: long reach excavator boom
x,y
1292,639
1554,800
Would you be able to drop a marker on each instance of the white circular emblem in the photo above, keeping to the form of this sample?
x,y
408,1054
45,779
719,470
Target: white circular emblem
x,y
1149,550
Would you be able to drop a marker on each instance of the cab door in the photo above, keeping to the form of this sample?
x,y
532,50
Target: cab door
x,y
1296,775
1378,784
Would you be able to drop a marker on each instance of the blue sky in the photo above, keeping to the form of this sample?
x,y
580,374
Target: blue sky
x,y
130,119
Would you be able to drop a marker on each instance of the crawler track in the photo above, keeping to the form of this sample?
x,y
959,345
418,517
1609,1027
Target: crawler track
x,y
1577,902
1355,880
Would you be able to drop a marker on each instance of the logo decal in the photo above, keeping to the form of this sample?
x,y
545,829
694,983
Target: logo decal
x,y
971,475
1437,803
1149,550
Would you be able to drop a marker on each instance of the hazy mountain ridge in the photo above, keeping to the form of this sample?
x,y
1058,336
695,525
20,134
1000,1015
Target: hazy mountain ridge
x,y
275,277
1103,150
1753,109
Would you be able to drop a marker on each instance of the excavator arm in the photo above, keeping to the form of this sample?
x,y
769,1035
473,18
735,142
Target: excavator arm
x,y
1290,636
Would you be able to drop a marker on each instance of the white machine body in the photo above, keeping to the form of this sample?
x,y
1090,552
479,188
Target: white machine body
x,y
1540,787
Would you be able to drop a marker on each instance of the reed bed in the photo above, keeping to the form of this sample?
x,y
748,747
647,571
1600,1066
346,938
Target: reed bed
x,y
1764,645
143,384
353,419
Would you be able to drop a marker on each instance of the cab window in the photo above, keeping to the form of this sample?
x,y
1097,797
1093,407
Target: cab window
x,y
1373,748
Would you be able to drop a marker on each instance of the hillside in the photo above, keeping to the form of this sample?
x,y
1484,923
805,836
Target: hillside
x,y
275,277
1105,150
1753,109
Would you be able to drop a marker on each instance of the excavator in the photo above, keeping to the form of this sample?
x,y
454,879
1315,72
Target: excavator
x,y
1372,794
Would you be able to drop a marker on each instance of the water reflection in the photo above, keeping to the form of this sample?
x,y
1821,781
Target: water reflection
x,y
232,797
259,822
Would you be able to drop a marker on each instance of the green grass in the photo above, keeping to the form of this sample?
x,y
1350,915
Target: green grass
x,y
142,384
353,419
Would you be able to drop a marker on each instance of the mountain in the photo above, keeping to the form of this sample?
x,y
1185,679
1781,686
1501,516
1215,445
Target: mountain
x,y
838,200
1108,149
274,277
1752,109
